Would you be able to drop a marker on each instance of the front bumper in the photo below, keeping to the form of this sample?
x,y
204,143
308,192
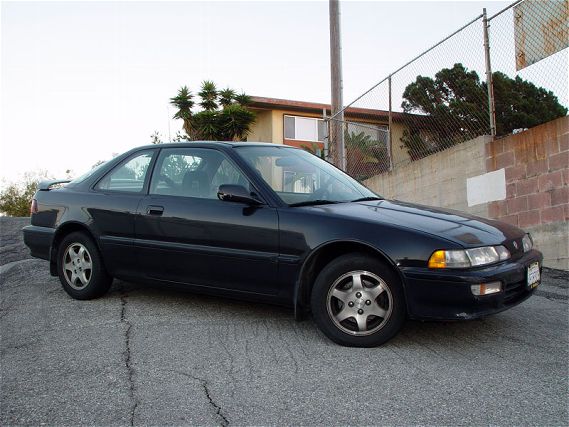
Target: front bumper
x,y
39,240
446,294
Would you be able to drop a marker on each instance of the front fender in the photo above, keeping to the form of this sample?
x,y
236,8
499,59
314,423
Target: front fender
x,y
319,257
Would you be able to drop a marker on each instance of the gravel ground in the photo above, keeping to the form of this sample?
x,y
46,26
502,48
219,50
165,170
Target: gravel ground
x,y
12,247
143,355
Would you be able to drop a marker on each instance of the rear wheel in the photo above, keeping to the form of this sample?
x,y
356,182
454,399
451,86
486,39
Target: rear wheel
x,y
358,301
80,267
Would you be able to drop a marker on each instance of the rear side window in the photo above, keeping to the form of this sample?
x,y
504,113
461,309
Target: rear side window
x,y
128,176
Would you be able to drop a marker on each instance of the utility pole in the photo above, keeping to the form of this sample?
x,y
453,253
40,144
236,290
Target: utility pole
x,y
337,123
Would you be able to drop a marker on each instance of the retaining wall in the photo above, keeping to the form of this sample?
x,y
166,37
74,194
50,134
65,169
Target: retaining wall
x,y
534,183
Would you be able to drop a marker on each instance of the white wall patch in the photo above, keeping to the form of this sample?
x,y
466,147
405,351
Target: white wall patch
x,y
487,187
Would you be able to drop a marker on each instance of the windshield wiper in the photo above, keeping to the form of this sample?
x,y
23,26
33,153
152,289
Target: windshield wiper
x,y
367,199
313,203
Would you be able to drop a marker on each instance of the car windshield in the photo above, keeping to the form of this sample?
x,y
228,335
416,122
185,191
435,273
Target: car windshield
x,y
300,178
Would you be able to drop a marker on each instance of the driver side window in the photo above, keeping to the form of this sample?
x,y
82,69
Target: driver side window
x,y
171,170
228,174
193,172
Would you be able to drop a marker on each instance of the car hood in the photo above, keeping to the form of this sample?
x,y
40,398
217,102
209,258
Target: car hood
x,y
464,229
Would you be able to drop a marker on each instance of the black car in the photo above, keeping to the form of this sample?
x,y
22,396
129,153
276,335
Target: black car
x,y
276,224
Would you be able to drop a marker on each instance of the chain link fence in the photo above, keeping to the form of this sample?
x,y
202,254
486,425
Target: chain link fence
x,y
529,60
367,149
492,76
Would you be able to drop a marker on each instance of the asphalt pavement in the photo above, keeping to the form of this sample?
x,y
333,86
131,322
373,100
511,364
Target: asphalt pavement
x,y
142,355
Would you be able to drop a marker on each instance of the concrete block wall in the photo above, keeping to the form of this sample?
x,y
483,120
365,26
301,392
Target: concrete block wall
x,y
437,180
536,164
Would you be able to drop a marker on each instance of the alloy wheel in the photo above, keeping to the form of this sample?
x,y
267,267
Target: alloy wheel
x,y
77,266
359,303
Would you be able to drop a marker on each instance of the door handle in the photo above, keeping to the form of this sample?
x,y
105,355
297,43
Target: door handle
x,y
155,210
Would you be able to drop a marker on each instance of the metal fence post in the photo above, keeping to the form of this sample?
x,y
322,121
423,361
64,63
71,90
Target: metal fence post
x,y
390,140
489,80
326,134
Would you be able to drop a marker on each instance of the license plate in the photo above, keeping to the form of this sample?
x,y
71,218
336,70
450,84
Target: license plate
x,y
533,275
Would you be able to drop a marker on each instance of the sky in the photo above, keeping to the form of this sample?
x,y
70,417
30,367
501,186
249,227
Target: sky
x,y
81,81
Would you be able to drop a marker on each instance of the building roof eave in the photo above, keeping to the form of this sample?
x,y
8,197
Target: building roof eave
x,y
264,103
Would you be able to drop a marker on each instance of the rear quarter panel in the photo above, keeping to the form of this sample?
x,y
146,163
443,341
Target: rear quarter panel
x,y
108,218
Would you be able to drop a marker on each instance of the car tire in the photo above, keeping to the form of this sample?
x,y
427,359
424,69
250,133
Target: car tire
x,y
358,301
80,267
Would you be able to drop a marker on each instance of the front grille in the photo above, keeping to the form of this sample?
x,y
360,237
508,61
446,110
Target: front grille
x,y
515,291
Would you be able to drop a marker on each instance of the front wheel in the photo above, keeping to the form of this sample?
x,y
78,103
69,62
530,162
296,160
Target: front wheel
x,y
358,301
80,267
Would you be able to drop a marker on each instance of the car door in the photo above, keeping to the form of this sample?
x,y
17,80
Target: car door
x,y
185,234
113,206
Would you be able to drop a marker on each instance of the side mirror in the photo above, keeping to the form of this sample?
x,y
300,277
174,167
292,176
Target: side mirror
x,y
236,193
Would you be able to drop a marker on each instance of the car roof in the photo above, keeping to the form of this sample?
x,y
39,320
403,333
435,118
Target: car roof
x,y
214,144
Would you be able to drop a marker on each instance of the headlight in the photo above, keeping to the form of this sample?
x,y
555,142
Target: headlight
x,y
464,258
527,243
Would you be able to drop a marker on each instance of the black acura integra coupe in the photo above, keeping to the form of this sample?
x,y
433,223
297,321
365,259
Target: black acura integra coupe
x,y
276,224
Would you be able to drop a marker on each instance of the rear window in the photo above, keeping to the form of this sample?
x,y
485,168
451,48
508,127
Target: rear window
x,y
129,176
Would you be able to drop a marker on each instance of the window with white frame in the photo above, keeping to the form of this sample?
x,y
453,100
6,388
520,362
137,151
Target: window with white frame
x,y
304,128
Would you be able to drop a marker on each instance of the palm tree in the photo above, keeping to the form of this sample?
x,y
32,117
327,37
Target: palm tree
x,y
365,156
206,124
184,103
226,97
208,94
236,121
243,99
313,148
232,122
359,141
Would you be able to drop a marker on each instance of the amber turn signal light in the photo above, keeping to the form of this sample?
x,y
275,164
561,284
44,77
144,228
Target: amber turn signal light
x,y
437,260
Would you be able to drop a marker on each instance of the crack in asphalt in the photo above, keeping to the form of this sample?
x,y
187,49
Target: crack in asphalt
x,y
127,356
224,422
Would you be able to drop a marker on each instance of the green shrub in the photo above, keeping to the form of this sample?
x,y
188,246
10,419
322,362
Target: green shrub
x,y
16,198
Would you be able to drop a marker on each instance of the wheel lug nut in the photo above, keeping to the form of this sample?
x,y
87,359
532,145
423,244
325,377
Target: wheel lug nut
x,y
368,302
351,304
358,294
360,311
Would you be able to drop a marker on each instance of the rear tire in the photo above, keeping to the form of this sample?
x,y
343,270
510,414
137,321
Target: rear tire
x,y
358,301
80,267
